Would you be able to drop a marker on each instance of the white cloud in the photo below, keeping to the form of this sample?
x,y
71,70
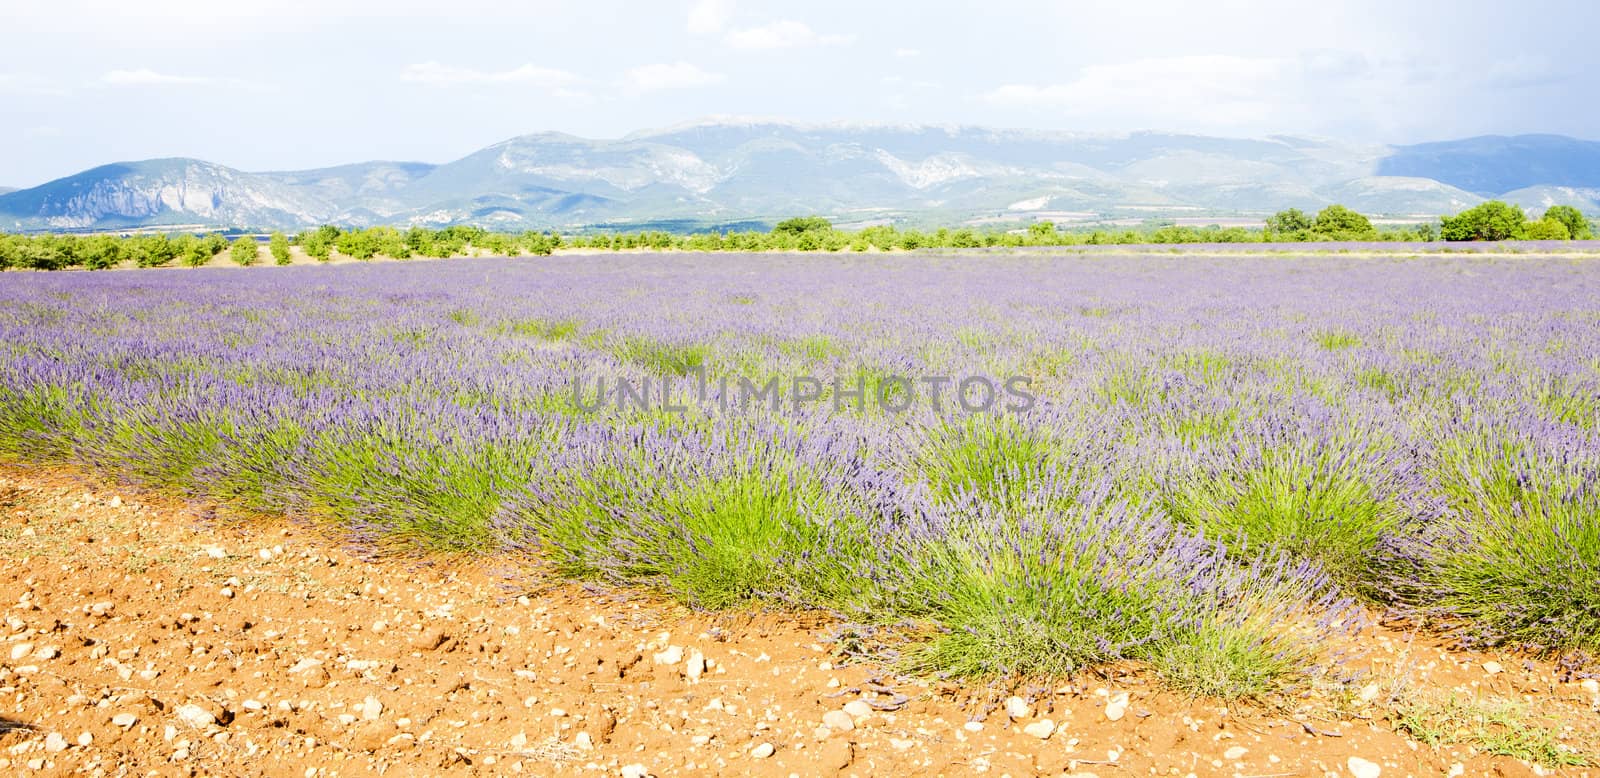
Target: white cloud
x,y
143,77
435,74
27,84
147,77
1220,90
1524,70
902,53
782,34
675,75
902,81
708,17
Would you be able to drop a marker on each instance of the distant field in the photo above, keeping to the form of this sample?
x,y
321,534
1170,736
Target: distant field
x,y
1214,465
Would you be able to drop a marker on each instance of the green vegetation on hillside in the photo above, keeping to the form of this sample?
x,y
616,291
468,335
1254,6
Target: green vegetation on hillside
x,y
1493,220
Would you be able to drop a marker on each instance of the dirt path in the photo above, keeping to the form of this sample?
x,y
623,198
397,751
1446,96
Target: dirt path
x,y
141,637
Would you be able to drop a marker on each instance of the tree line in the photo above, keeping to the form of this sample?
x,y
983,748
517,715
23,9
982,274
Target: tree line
x,y
1493,220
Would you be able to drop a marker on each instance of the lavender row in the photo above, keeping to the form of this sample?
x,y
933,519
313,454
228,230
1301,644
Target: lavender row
x,y
1223,462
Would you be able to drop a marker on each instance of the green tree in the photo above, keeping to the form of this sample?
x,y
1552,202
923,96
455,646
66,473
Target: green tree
x,y
1289,221
245,250
318,243
1425,232
278,245
1546,229
803,224
1572,219
1493,220
358,244
101,252
43,253
156,251
1337,221
199,251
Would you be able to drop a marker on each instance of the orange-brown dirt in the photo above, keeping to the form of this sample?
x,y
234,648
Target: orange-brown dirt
x,y
142,636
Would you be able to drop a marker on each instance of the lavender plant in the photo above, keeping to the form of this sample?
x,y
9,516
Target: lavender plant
x,y
1222,452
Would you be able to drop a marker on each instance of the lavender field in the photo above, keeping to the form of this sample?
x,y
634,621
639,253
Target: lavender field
x,y
1214,465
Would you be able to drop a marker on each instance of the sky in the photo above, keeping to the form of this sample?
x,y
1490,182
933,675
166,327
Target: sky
x,y
292,84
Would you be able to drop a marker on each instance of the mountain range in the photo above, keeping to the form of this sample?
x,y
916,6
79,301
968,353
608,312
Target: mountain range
x,y
727,171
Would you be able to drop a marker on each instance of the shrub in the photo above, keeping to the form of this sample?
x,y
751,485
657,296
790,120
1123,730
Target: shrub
x,y
278,245
716,523
1330,496
991,457
1519,555
1072,577
245,250
1546,229
102,252
1569,217
156,251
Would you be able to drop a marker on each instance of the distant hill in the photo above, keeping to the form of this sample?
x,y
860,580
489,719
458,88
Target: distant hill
x,y
1496,164
720,172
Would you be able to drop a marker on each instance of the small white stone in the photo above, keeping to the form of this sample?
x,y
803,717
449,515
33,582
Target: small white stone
x,y
670,656
195,716
634,771
1370,692
695,665
973,726
1017,708
216,552
763,751
858,709
371,709
1492,667
1117,706
124,720
1236,753
227,593
1590,685
838,721
557,713
55,743
85,739
21,650
1456,770
1042,729
304,665
901,745
1361,768
584,741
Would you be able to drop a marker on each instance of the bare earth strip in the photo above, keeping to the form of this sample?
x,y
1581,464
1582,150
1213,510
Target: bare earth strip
x,y
143,636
